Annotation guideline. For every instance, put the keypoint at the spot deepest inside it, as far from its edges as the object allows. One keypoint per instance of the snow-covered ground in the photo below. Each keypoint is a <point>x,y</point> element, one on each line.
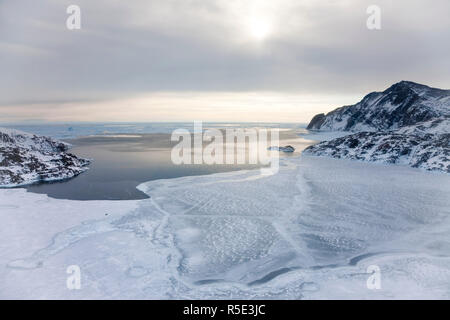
<point>323,135</point>
<point>308,232</point>
<point>422,145</point>
<point>27,158</point>
<point>429,152</point>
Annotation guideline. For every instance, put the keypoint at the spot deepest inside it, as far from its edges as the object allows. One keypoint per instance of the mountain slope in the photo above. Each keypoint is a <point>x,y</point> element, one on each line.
<point>426,151</point>
<point>26,158</point>
<point>404,103</point>
<point>408,124</point>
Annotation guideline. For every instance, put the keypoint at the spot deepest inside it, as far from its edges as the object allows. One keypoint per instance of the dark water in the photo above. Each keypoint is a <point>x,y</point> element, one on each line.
<point>120,164</point>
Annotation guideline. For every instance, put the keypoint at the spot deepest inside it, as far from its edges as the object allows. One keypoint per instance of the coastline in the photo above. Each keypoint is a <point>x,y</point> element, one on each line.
<point>123,161</point>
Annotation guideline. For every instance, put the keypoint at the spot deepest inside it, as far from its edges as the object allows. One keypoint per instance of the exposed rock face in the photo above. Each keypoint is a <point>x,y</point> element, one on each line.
<point>408,123</point>
<point>26,158</point>
<point>404,103</point>
<point>316,121</point>
<point>288,148</point>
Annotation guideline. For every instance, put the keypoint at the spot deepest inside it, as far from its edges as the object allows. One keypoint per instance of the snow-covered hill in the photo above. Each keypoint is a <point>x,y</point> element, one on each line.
<point>404,103</point>
<point>409,124</point>
<point>26,158</point>
<point>437,126</point>
<point>430,152</point>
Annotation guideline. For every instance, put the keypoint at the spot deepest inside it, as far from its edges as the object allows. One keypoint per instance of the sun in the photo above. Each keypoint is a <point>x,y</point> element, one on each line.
<point>259,28</point>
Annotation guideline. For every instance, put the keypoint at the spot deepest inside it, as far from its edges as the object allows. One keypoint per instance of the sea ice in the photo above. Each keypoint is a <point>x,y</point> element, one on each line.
<point>307,232</point>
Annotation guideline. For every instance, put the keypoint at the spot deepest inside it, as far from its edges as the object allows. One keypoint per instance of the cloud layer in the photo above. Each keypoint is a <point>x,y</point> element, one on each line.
<point>130,49</point>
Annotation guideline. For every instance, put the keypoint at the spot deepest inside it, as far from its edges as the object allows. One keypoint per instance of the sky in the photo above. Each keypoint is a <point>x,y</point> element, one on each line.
<point>212,60</point>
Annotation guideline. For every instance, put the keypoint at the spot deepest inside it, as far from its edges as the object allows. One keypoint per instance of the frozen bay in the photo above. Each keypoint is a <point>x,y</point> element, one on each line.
<point>308,232</point>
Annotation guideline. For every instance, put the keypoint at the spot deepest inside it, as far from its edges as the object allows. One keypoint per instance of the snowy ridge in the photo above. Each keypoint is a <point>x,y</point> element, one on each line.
<point>430,152</point>
<point>436,126</point>
<point>27,158</point>
<point>404,103</point>
<point>407,124</point>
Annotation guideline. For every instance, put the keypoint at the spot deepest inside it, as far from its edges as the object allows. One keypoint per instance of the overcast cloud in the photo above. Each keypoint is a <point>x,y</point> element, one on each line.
<point>311,50</point>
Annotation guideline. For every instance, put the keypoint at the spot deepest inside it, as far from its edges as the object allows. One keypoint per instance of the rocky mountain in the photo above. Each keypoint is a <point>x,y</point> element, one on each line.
<point>404,103</point>
<point>26,158</point>
<point>426,151</point>
<point>408,124</point>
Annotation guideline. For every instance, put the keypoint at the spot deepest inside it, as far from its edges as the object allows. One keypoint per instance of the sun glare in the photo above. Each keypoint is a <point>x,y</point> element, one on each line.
<point>260,29</point>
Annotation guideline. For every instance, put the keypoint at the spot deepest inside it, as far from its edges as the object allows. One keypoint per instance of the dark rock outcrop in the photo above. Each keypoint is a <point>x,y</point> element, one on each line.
<point>316,121</point>
<point>287,148</point>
